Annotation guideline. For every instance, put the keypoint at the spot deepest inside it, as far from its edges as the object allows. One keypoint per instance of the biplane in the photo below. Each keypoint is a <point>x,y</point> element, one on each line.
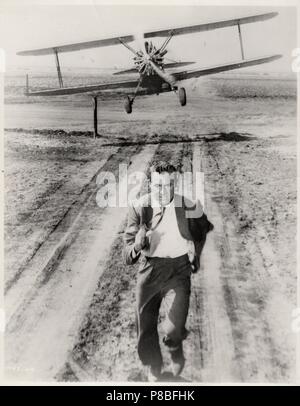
<point>152,74</point>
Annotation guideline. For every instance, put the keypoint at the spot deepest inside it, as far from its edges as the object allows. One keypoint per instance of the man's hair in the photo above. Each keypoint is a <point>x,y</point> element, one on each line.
<point>163,166</point>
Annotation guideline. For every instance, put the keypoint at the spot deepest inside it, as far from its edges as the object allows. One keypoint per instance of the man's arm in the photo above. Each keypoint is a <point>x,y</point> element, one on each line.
<point>203,226</point>
<point>130,256</point>
<point>199,227</point>
<point>198,222</point>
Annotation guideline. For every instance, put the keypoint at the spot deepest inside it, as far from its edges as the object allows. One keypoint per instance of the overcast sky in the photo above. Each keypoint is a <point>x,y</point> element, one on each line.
<point>32,27</point>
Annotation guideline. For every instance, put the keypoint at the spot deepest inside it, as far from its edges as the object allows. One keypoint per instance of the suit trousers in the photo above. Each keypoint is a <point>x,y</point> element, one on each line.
<point>162,281</point>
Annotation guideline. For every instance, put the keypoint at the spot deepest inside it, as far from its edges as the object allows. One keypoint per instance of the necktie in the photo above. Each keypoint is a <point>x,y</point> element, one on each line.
<point>158,217</point>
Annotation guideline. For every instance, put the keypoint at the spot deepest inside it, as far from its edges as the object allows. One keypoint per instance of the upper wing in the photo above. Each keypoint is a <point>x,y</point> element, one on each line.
<point>162,33</point>
<point>84,89</point>
<point>209,26</point>
<point>78,46</point>
<point>222,68</point>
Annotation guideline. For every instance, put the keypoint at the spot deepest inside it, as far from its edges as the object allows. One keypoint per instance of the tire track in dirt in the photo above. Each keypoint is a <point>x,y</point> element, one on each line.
<point>43,325</point>
<point>106,348</point>
<point>209,348</point>
<point>43,237</point>
<point>246,261</point>
<point>43,260</point>
<point>40,197</point>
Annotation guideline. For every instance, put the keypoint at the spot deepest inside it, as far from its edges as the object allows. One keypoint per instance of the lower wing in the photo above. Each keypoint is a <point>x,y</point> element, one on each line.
<point>222,68</point>
<point>84,89</point>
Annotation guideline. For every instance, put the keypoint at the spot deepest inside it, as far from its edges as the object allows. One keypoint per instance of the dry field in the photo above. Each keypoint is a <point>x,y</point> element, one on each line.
<point>70,298</point>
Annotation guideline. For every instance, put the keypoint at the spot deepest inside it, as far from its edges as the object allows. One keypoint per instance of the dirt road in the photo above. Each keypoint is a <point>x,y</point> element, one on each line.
<point>61,327</point>
<point>70,298</point>
<point>46,302</point>
<point>235,330</point>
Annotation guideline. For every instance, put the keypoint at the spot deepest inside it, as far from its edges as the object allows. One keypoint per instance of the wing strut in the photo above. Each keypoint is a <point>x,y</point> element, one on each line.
<point>128,47</point>
<point>166,42</point>
<point>60,80</point>
<point>241,41</point>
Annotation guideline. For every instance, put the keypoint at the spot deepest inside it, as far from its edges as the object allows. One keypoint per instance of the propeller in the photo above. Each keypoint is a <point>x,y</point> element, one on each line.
<point>142,60</point>
<point>147,47</point>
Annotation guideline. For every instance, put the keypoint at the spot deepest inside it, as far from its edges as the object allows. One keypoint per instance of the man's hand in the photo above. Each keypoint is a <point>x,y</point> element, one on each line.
<point>141,240</point>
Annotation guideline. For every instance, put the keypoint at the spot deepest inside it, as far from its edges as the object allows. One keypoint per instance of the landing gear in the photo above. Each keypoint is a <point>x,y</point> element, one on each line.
<point>129,100</point>
<point>128,105</point>
<point>182,96</point>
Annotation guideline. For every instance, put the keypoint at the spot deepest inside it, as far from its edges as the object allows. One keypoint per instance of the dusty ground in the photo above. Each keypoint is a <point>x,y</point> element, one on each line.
<point>64,273</point>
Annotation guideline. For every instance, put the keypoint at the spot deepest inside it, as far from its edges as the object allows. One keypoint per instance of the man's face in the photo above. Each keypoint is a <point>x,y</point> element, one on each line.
<point>162,187</point>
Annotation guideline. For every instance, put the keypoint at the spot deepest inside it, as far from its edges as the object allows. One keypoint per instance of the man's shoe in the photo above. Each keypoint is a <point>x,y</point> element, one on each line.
<point>153,374</point>
<point>178,360</point>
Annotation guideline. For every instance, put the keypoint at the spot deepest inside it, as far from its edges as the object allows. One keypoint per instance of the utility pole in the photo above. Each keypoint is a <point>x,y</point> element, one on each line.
<point>95,103</point>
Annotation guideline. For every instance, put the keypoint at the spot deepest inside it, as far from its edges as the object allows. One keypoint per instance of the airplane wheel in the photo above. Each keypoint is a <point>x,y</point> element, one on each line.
<point>182,96</point>
<point>128,105</point>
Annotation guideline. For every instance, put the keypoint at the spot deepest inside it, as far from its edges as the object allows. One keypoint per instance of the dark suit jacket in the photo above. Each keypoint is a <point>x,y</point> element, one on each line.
<point>192,223</point>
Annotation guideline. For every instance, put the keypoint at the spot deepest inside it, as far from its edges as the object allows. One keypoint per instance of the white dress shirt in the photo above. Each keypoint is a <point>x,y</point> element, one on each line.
<point>165,240</point>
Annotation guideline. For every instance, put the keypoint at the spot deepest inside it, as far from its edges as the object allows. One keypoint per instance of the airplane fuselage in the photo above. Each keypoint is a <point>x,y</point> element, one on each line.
<point>154,83</point>
<point>150,66</point>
